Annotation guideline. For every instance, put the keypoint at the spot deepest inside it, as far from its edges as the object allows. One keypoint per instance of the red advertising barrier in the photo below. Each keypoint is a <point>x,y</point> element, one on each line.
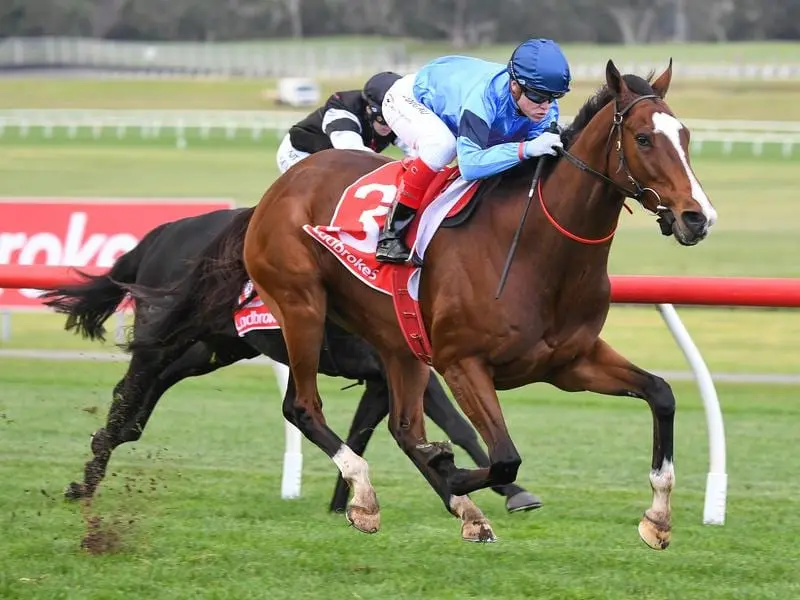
<point>709,291</point>
<point>41,237</point>
<point>625,289</point>
<point>37,277</point>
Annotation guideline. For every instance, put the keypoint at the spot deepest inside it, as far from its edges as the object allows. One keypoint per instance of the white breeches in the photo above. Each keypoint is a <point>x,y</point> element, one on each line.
<point>417,126</point>
<point>288,155</point>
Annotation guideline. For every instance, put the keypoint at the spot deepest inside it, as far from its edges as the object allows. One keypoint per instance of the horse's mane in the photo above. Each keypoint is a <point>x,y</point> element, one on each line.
<point>638,85</point>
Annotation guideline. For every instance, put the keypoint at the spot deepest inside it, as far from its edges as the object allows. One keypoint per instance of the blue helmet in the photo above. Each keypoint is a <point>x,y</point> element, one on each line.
<point>539,64</point>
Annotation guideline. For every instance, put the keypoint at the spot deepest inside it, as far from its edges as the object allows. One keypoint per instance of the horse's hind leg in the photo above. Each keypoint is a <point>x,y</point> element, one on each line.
<point>442,412</point>
<point>408,379</point>
<point>372,408</point>
<point>200,359</point>
<point>128,397</point>
<point>134,398</point>
<point>302,318</point>
<point>605,372</point>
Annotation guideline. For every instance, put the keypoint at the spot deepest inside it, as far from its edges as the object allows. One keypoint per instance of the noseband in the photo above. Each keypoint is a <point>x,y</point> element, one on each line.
<point>638,192</point>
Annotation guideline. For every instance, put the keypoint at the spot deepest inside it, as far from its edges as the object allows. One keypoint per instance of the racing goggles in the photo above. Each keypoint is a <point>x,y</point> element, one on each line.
<point>541,96</point>
<point>375,114</point>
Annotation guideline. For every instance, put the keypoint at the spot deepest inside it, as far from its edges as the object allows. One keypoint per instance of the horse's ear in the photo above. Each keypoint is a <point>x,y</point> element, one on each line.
<point>661,85</point>
<point>614,80</point>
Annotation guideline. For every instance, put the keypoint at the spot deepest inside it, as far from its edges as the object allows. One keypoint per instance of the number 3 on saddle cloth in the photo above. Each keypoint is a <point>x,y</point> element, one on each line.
<point>352,237</point>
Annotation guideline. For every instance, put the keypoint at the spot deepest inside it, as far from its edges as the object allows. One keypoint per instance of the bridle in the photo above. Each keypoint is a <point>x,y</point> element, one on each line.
<point>637,193</point>
<point>662,212</point>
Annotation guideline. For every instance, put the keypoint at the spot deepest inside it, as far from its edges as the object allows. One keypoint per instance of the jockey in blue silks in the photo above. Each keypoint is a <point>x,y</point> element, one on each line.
<point>491,116</point>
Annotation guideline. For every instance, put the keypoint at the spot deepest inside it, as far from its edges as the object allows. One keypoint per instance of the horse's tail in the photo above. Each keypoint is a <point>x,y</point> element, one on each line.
<point>89,304</point>
<point>200,303</point>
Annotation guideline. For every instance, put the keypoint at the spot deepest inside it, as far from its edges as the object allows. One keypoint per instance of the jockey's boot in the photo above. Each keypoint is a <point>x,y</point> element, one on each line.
<point>413,185</point>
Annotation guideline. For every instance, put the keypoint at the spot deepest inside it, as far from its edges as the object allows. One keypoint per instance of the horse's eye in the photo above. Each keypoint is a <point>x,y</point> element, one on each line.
<point>643,139</point>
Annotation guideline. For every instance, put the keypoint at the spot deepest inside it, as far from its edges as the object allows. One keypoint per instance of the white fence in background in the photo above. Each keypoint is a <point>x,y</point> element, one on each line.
<point>309,58</point>
<point>147,123</point>
<point>720,71</point>
<point>251,59</point>
<point>178,124</point>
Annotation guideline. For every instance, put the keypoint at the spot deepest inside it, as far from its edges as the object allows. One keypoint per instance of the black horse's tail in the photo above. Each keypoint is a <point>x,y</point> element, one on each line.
<point>89,304</point>
<point>200,303</point>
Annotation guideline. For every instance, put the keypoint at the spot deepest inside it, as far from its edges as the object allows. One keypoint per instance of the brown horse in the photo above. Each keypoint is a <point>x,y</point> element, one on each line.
<point>624,142</point>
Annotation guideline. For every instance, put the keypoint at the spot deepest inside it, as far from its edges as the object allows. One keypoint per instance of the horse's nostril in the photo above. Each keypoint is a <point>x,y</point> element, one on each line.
<point>695,221</point>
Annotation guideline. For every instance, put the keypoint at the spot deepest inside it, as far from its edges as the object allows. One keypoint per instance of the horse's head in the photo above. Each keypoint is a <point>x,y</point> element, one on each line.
<point>650,147</point>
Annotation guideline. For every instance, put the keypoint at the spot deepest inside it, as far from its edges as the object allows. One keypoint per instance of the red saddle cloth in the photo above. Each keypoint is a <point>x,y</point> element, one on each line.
<point>352,237</point>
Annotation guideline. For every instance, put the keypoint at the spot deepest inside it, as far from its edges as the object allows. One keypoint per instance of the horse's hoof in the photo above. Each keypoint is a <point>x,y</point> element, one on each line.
<point>478,531</point>
<point>74,491</point>
<point>523,501</point>
<point>655,533</point>
<point>362,519</point>
<point>338,505</point>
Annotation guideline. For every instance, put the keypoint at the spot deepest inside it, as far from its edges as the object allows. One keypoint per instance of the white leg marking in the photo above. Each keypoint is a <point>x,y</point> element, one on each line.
<point>353,467</point>
<point>670,127</point>
<point>355,471</point>
<point>475,526</point>
<point>662,480</point>
<point>460,505</point>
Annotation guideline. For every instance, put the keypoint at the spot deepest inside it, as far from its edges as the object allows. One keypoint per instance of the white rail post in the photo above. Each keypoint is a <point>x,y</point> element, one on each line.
<point>119,330</point>
<point>717,479</point>
<point>5,325</point>
<point>291,480</point>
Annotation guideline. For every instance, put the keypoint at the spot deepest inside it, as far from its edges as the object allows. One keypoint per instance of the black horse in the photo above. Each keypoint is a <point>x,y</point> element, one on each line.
<point>162,261</point>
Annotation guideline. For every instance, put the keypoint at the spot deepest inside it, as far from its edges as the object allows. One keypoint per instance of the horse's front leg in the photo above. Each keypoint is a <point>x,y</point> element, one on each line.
<point>604,371</point>
<point>472,384</point>
<point>408,379</point>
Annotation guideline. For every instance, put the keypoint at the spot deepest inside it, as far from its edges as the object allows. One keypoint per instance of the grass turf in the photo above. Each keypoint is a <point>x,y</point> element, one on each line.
<point>197,509</point>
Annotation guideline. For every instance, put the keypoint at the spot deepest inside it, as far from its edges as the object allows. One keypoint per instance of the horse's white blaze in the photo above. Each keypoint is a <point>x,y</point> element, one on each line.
<point>662,480</point>
<point>670,127</point>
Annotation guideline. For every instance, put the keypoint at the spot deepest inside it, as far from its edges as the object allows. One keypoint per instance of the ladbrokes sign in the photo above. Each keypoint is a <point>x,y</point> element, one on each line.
<point>80,233</point>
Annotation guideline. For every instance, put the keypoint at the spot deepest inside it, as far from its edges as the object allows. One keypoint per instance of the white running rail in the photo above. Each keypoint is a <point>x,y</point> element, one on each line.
<point>724,135</point>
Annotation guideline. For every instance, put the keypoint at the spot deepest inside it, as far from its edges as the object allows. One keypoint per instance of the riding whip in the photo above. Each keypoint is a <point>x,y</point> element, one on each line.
<point>536,174</point>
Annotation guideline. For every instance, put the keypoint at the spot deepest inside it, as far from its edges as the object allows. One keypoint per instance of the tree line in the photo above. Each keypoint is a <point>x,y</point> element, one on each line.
<point>462,23</point>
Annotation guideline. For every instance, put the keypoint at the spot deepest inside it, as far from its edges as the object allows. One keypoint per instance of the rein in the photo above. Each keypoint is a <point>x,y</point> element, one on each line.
<point>536,185</point>
<point>636,194</point>
<point>536,180</point>
<point>564,231</point>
